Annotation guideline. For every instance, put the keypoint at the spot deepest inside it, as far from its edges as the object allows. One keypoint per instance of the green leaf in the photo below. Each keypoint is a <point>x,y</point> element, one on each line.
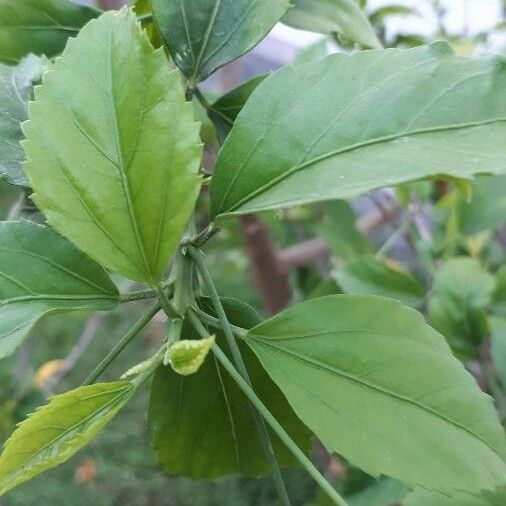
<point>141,9</point>
<point>315,52</point>
<point>372,276</point>
<point>16,85</point>
<point>378,16</point>
<point>225,110</point>
<point>204,35</point>
<point>140,6</point>
<point>43,273</point>
<point>462,289</point>
<point>486,208</point>
<point>301,138</point>
<point>340,231</point>
<point>113,151</point>
<point>333,16</point>
<point>187,356</point>
<point>498,348</point>
<point>325,287</point>
<point>39,26</point>
<point>203,425</point>
<point>499,295</point>
<point>492,498</point>
<point>56,431</point>
<point>386,492</point>
<point>375,383</point>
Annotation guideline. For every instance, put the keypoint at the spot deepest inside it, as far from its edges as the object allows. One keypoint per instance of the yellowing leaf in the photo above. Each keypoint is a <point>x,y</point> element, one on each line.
<point>55,432</point>
<point>187,356</point>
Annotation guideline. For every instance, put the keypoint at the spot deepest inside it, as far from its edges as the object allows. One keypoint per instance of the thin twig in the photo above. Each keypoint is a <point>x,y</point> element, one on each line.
<point>17,207</point>
<point>85,339</point>
<point>214,322</point>
<point>306,252</point>
<point>122,344</point>
<point>196,256</point>
<point>269,418</point>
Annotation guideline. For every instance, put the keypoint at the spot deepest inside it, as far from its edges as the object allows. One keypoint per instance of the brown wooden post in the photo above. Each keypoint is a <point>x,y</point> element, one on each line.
<point>272,284</point>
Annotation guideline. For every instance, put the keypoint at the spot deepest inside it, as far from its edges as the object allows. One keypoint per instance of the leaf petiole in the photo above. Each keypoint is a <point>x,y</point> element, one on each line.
<point>121,345</point>
<point>182,299</point>
<point>210,107</point>
<point>196,256</point>
<point>200,239</point>
<point>214,322</point>
<point>139,295</point>
<point>269,418</point>
<point>165,303</point>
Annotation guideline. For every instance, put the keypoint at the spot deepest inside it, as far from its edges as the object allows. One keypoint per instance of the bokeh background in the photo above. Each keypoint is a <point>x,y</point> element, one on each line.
<point>120,467</point>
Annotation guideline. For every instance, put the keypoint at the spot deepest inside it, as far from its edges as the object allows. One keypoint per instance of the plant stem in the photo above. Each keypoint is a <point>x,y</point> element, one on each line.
<point>269,418</point>
<point>17,207</point>
<point>278,429</point>
<point>200,239</point>
<point>196,255</point>
<point>145,294</point>
<point>151,365</point>
<point>122,344</point>
<point>214,322</point>
<point>182,299</point>
<point>139,295</point>
<point>80,347</point>
<point>209,107</point>
<point>167,307</point>
<point>203,100</point>
<point>491,377</point>
<point>265,439</point>
<point>390,242</point>
<point>189,93</point>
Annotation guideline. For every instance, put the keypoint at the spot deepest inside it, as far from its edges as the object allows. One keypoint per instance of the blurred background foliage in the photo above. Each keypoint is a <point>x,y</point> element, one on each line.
<point>439,247</point>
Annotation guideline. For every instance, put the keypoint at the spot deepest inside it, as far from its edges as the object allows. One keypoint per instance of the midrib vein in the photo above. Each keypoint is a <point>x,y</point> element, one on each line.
<point>300,98</point>
<point>49,297</point>
<point>110,404</point>
<point>364,384</point>
<point>222,115</point>
<point>187,30</point>
<point>207,37</point>
<point>353,147</point>
<point>46,28</point>
<point>122,169</point>
<point>230,35</point>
